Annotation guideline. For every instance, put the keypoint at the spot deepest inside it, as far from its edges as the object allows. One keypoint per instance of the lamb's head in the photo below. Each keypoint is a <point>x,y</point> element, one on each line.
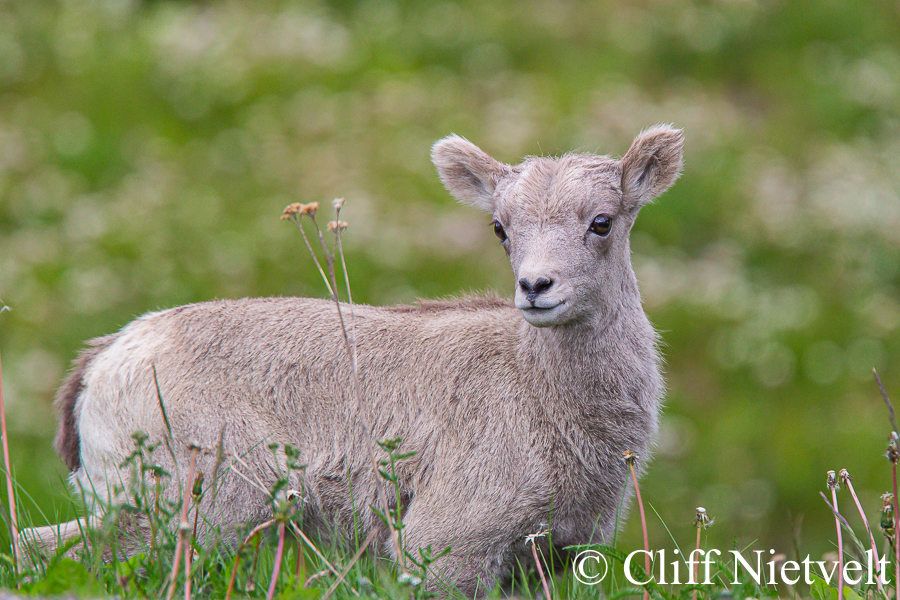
<point>565,222</point>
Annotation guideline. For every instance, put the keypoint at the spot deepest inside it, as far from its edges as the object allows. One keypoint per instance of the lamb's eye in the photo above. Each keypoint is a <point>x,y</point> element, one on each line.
<point>601,225</point>
<point>499,231</point>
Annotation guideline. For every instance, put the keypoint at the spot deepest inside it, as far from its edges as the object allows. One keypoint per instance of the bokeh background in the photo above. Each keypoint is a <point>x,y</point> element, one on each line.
<point>148,148</point>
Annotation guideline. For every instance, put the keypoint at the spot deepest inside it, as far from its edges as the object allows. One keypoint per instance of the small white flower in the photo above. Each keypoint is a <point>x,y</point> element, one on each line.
<point>532,538</point>
<point>409,578</point>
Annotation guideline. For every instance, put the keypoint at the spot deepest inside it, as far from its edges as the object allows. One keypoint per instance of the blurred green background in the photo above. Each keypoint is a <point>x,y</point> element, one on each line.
<point>148,148</point>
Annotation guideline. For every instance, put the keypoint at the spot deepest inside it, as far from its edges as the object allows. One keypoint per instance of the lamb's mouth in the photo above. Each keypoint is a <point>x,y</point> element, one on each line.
<point>543,316</point>
<point>542,309</point>
<point>530,306</point>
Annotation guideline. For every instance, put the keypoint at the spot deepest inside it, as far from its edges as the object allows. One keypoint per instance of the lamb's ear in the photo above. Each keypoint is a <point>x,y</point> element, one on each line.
<point>652,164</point>
<point>467,172</point>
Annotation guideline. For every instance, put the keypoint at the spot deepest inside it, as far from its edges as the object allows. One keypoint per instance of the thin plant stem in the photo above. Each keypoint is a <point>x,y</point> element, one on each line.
<point>309,543</point>
<point>318,575</point>
<point>356,557</point>
<point>279,556</point>
<point>896,536</point>
<point>196,490</point>
<point>183,526</point>
<point>253,568</point>
<point>313,547</point>
<point>10,494</point>
<point>890,406</point>
<point>176,565</point>
<point>196,518</point>
<point>630,457</point>
<point>697,563</point>
<point>162,411</point>
<point>315,258</point>
<point>701,522</point>
<point>258,529</point>
<point>833,485</point>
<point>220,458</point>
<point>154,520</point>
<point>237,560</point>
<point>340,251</point>
<point>338,236</point>
<point>540,570</point>
<point>845,477</point>
<point>301,563</point>
<point>259,486</point>
<point>188,555</point>
<point>893,455</point>
<point>357,388</point>
<point>329,256</point>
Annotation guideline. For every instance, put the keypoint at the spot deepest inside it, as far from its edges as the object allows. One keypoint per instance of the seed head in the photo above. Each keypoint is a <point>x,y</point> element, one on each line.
<point>832,481</point>
<point>334,226</point>
<point>887,515</point>
<point>198,485</point>
<point>290,210</point>
<point>844,476</point>
<point>629,457</point>
<point>702,518</point>
<point>298,208</point>
<point>285,500</point>
<point>337,203</point>
<point>531,538</point>
<point>893,451</point>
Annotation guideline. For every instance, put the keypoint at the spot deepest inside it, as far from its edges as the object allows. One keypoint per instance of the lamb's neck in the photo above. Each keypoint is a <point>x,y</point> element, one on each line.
<point>575,352</point>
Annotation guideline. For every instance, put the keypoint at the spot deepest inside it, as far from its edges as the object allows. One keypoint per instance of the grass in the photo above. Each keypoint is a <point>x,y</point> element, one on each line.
<point>276,559</point>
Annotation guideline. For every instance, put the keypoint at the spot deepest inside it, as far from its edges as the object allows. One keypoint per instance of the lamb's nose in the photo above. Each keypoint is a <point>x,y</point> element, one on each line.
<point>533,290</point>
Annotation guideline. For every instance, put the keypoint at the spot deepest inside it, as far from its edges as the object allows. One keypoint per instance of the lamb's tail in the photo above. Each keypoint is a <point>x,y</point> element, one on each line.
<point>68,439</point>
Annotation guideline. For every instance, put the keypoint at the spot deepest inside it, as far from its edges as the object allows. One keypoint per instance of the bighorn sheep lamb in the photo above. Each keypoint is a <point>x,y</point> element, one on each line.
<point>513,412</point>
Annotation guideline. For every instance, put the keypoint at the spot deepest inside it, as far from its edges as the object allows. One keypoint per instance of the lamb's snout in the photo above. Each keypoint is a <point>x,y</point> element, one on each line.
<point>533,290</point>
<point>541,296</point>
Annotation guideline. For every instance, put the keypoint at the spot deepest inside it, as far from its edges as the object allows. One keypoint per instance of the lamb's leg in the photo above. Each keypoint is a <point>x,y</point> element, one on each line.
<point>132,535</point>
<point>44,541</point>
<point>479,550</point>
